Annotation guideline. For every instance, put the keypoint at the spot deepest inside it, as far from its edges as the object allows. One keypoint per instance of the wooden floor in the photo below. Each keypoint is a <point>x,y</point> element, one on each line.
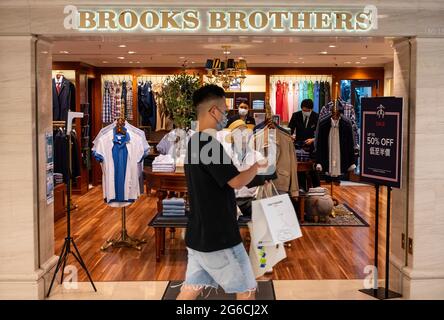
<point>322,252</point>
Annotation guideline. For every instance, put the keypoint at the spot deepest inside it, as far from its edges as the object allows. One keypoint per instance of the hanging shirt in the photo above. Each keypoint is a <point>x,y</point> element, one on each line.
<point>316,97</point>
<point>120,156</point>
<point>290,99</point>
<point>310,90</point>
<point>273,97</point>
<point>279,98</point>
<point>296,105</point>
<point>334,169</point>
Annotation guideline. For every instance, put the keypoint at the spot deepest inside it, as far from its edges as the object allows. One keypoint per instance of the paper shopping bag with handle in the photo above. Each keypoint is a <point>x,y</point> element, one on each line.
<point>263,258</point>
<point>273,217</point>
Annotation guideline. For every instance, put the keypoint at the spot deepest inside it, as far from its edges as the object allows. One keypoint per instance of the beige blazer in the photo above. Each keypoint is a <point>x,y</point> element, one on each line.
<point>286,165</point>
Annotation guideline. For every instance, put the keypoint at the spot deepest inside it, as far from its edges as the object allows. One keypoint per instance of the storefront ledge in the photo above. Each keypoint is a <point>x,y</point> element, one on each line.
<point>417,274</point>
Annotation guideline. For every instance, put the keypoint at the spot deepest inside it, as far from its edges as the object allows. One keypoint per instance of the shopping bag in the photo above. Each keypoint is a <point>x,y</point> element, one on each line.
<point>273,218</point>
<point>262,257</point>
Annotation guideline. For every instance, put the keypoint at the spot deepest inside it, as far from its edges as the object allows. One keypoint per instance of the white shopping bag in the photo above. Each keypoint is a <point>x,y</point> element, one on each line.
<point>274,219</point>
<point>263,258</point>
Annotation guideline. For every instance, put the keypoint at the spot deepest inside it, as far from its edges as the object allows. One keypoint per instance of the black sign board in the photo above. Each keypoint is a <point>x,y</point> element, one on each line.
<point>381,140</point>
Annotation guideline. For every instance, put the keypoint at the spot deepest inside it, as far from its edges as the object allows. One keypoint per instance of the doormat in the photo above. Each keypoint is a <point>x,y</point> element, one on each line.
<point>265,291</point>
<point>344,217</point>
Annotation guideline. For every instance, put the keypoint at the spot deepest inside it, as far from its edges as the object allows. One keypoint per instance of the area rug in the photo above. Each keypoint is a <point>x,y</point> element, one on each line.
<point>344,217</point>
<point>265,291</point>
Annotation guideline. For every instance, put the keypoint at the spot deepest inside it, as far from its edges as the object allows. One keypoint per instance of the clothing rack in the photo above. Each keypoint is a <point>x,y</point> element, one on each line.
<point>117,77</point>
<point>154,78</point>
<point>298,77</point>
<point>62,125</point>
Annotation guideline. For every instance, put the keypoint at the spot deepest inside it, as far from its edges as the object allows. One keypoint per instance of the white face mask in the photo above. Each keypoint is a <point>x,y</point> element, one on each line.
<point>243,112</point>
<point>306,114</point>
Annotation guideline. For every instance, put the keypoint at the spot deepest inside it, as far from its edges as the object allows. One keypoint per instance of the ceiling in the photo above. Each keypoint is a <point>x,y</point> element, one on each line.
<point>259,51</point>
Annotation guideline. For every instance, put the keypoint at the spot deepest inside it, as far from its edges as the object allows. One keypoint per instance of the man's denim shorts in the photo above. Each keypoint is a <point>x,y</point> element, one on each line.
<point>230,268</point>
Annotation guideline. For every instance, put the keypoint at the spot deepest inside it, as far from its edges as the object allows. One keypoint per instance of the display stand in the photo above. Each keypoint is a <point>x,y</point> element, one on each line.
<point>124,240</point>
<point>382,293</point>
<point>66,250</point>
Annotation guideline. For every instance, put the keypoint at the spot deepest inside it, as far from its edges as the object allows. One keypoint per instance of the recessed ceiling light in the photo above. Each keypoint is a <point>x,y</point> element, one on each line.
<point>44,52</point>
<point>131,52</point>
<point>323,52</point>
<point>357,62</point>
<point>181,57</point>
<point>64,52</point>
<point>295,62</point>
<point>332,46</point>
<point>121,58</point>
<point>257,41</point>
<point>240,58</point>
<point>347,62</point>
<point>104,61</point>
<point>300,58</point>
<point>138,62</point>
<point>363,58</point>
<point>122,46</point>
<point>193,62</point>
<point>130,62</point>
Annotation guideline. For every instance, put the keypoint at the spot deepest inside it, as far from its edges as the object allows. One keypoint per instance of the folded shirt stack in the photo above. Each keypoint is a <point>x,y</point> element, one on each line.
<point>173,207</point>
<point>58,178</point>
<point>164,163</point>
<point>258,104</point>
<point>317,191</point>
<point>302,155</point>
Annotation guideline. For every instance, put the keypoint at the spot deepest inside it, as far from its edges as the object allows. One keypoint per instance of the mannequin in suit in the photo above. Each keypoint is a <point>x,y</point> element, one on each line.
<point>63,97</point>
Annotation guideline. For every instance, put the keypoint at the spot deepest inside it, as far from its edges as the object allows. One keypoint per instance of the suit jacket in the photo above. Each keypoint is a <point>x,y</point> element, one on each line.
<point>286,165</point>
<point>64,101</point>
<point>346,144</point>
<point>297,124</point>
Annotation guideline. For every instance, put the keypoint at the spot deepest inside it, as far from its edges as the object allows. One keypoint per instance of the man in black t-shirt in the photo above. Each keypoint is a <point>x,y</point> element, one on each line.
<point>216,255</point>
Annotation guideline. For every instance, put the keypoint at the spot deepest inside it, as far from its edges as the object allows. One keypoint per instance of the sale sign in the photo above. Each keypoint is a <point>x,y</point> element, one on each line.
<point>381,140</point>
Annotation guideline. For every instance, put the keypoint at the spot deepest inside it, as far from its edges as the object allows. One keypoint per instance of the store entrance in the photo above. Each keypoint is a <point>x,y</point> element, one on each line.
<point>338,247</point>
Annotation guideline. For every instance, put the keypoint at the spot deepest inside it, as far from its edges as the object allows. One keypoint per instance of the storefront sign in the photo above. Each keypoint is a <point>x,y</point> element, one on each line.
<point>220,20</point>
<point>381,140</point>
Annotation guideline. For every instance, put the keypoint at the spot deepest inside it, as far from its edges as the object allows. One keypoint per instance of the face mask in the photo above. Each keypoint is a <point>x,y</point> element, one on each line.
<point>306,114</point>
<point>223,122</point>
<point>243,112</point>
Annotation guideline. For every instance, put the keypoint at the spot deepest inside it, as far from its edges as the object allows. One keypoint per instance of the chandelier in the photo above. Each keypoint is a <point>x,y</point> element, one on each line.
<point>226,72</point>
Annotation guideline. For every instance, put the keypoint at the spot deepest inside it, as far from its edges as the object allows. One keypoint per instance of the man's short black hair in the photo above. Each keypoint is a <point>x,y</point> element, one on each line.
<point>307,103</point>
<point>207,92</point>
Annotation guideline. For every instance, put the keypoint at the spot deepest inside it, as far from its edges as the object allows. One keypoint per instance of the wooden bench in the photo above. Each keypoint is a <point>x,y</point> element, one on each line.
<point>160,223</point>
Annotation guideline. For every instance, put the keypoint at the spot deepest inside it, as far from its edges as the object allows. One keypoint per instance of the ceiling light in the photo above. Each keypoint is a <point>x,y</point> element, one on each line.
<point>363,58</point>
<point>130,62</point>
<point>332,46</point>
<point>193,62</point>
<point>44,52</point>
<point>181,57</point>
<point>121,58</point>
<point>104,61</point>
<point>347,62</point>
<point>131,52</point>
<point>227,52</point>
<point>138,62</point>
<point>257,41</point>
<point>64,52</point>
<point>241,58</point>
<point>323,52</point>
<point>357,62</point>
<point>122,46</point>
<point>300,58</point>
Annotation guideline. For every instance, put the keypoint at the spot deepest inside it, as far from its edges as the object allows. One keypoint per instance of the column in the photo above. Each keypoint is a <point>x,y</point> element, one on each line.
<point>26,221</point>
<point>424,274</point>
